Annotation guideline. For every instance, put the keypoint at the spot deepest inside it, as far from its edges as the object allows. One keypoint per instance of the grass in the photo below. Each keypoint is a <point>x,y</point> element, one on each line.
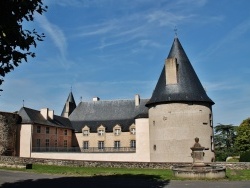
<point>161,174</point>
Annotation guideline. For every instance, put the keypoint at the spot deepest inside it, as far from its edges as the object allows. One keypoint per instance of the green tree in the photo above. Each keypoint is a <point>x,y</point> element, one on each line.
<point>225,135</point>
<point>15,41</point>
<point>224,140</point>
<point>242,142</point>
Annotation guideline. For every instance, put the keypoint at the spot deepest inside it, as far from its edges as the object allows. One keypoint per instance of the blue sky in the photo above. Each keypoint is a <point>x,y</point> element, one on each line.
<point>115,49</point>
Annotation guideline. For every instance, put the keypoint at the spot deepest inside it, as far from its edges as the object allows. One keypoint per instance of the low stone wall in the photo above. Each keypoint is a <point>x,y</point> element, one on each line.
<point>9,160</point>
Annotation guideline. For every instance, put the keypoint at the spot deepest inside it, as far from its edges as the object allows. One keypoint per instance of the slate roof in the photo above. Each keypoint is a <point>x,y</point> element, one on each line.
<point>108,114</point>
<point>188,88</point>
<point>72,104</point>
<point>30,116</point>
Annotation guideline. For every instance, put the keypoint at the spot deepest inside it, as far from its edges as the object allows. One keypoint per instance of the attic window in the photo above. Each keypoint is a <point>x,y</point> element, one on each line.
<point>132,131</point>
<point>117,132</point>
<point>101,132</point>
<point>85,132</point>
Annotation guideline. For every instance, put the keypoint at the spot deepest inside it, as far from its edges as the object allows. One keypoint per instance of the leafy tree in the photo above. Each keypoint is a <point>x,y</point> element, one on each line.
<point>226,135</point>
<point>224,140</point>
<point>15,41</point>
<point>242,141</point>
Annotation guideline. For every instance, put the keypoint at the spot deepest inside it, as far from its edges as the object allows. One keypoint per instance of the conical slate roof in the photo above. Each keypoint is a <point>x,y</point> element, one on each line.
<point>187,89</point>
<point>71,102</point>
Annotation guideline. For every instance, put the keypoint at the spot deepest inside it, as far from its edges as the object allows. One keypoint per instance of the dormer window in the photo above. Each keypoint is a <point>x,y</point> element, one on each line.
<point>117,130</point>
<point>132,129</point>
<point>101,130</point>
<point>85,131</point>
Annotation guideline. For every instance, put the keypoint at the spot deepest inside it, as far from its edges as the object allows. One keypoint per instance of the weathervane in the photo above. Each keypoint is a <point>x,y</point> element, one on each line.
<point>23,103</point>
<point>175,31</point>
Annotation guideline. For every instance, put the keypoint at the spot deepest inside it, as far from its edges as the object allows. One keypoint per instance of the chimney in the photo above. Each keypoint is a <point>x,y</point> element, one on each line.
<point>137,100</point>
<point>96,98</point>
<point>44,112</point>
<point>51,114</point>
<point>171,70</point>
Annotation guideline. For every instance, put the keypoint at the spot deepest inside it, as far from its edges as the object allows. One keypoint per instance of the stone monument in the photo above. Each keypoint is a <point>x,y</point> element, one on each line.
<point>198,169</point>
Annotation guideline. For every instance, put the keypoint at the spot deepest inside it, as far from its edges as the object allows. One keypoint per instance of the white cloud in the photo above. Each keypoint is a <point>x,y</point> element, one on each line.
<point>55,33</point>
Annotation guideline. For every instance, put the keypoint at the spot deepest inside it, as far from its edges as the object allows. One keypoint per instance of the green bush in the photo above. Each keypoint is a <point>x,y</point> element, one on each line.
<point>245,157</point>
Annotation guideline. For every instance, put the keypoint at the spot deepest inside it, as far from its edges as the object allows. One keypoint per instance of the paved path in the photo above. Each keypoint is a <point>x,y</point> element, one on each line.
<point>9,179</point>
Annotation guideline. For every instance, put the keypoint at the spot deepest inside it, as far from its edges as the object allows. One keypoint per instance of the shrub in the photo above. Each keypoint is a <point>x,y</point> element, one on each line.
<point>245,157</point>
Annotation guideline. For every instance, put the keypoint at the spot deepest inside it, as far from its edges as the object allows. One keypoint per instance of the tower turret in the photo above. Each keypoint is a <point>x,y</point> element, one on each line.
<point>69,106</point>
<point>179,110</point>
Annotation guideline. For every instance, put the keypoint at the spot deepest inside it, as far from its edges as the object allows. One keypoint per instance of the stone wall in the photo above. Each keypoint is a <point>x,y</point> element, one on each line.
<point>8,132</point>
<point>10,160</point>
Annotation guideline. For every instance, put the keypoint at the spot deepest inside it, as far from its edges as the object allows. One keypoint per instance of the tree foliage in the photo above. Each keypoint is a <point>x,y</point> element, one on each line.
<point>224,140</point>
<point>242,141</point>
<point>15,41</point>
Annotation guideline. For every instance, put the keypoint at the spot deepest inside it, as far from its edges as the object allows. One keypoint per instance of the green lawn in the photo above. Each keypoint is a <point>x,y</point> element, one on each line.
<point>160,174</point>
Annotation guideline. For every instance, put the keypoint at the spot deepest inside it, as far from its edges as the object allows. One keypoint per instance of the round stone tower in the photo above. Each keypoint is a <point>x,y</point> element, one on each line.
<point>179,111</point>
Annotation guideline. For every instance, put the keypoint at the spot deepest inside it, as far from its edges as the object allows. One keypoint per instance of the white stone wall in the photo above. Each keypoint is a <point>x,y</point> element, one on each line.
<point>173,127</point>
<point>25,140</point>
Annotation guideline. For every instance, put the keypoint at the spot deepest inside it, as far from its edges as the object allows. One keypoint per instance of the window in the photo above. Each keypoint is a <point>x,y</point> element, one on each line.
<point>132,143</point>
<point>47,130</point>
<point>117,144</point>
<point>55,143</point>
<point>117,132</point>
<point>65,132</point>
<point>100,144</point>
<point>47,142</point>
<point>38,129</point>
<point>101,132</point>
<point>56,130</point>
<point>85,144</point>
<point>85,133</point>
<point>65,143</point>
<point>212,143</point>
<point>132,130</point>
<point>38,142</point>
